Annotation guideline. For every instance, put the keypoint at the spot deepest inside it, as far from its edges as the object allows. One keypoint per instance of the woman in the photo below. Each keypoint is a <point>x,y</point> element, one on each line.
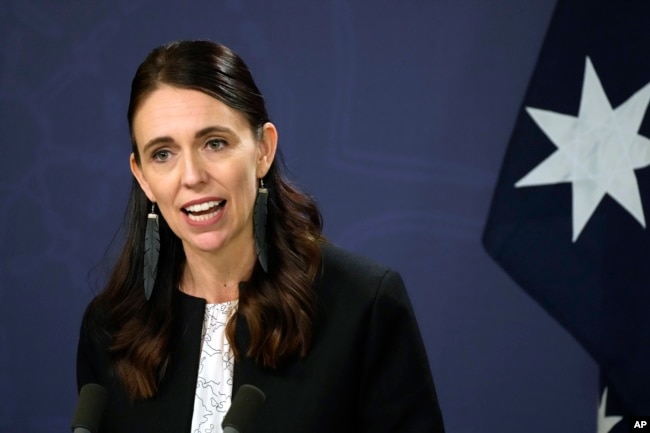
<point>225,279</point>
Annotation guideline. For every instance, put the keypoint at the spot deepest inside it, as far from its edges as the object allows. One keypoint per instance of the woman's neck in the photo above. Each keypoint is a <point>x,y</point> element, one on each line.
<point>216,277</point>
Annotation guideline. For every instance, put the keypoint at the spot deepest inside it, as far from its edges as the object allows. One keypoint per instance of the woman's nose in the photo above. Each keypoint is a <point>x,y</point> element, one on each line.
<point>193,170</point>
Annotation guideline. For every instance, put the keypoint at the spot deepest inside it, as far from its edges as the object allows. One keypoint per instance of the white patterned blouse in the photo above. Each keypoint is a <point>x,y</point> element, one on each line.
<point>214,382</point>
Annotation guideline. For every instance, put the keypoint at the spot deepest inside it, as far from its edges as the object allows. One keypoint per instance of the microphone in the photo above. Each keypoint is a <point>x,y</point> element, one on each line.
<point>90,408</point>
<point>244,407</point>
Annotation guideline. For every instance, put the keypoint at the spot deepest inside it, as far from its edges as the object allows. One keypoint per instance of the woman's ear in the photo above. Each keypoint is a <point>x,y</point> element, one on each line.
<point>137,173</point>
<point>268,144</point>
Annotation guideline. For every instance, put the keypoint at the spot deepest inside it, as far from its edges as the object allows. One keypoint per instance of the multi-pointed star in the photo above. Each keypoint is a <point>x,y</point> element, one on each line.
<point>606,423</point>
<point>597,151</point>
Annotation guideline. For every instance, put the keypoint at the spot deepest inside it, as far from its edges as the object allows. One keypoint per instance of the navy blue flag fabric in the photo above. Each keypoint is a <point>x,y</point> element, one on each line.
<point>569,217</point>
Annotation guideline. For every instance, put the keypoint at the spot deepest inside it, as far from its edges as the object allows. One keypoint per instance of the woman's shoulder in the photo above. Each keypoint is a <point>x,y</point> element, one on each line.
<point>340,260</point>
<point>95,322</point>
<point>356,273</point>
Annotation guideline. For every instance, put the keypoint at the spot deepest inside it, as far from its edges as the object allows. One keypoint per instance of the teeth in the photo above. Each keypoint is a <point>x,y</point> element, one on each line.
<point>203,206</point>
<point>201,217</point>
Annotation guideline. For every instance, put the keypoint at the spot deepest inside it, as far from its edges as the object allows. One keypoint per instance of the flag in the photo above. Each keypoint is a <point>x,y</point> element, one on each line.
<point>570,212</point>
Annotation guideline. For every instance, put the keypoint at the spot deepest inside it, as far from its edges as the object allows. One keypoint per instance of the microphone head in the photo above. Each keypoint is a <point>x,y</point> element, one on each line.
<point>244,407</point>
<point>90,407</point>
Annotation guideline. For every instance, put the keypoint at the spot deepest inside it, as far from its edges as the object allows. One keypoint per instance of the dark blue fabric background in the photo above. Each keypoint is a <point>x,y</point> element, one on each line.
<point>394,114</point>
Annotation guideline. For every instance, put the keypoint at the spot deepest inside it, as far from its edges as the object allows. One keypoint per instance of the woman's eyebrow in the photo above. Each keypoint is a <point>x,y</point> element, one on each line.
<point>158,140</point>
<point>210,129</point>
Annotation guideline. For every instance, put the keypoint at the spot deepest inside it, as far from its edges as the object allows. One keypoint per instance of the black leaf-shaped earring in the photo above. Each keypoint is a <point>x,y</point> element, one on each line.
<point>259,224</point>
<point>151,251</point>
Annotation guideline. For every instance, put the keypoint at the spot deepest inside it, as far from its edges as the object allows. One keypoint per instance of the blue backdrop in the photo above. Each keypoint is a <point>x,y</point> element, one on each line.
<point>394,114</point>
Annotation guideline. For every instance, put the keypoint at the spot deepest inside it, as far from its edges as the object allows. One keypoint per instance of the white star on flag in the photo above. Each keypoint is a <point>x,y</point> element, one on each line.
<point>606,423</point>
<point>597,151</point>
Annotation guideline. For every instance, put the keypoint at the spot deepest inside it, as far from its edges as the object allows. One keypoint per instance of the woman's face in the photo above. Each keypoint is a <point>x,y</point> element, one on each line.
<point>201,162</point>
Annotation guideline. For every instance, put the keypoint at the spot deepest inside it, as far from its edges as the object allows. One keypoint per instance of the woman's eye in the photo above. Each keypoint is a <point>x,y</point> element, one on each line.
<point>161,155</point>
<point>215,144</point>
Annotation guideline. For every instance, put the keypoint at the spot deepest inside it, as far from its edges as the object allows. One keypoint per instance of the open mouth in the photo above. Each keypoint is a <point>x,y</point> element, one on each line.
<point>204,211</point>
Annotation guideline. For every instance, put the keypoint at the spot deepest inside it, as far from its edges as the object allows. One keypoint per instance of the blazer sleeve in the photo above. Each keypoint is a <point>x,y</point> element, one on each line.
<point>398,393</point>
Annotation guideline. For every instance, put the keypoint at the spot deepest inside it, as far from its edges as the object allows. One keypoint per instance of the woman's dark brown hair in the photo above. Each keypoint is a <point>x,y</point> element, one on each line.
<point>278,306</point>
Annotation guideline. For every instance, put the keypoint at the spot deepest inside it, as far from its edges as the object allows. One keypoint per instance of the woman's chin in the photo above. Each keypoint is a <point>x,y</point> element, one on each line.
<point>207,243</point>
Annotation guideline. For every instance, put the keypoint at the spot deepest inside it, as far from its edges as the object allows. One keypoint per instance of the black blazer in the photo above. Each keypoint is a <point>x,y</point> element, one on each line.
<point>367,370</point>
